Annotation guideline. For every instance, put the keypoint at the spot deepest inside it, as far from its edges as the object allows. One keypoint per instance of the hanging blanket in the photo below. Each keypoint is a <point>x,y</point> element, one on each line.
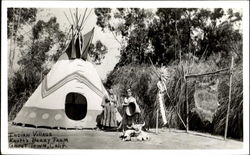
<point>206,100</point>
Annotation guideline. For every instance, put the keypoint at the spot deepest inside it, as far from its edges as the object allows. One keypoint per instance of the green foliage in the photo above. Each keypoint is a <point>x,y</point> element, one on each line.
<point>97,52</point>
<point>18,19</point>
<point>45,35</point>
<point>203,39</point>
<point>20,87</point>
<point>235,124</point>
<point>19,16</point>
<point>103,16</point>
<point>187,41</point>
<point>133,27</point>
<point>142,80</point>
<point>34,62</point>
<point>169,33</point>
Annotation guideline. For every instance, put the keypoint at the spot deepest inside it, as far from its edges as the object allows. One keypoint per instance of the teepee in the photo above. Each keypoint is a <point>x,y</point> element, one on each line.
<point>71,94</point>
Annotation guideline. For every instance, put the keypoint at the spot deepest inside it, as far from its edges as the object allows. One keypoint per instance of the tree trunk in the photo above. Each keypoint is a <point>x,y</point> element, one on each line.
<point>14,46</point>
<point>11,40</point>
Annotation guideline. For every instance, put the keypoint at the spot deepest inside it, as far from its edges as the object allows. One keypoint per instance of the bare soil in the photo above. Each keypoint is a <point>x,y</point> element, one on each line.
<point>96,139</point>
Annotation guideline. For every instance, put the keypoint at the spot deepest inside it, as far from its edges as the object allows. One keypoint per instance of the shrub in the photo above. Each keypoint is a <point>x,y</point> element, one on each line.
<point>142,80</point>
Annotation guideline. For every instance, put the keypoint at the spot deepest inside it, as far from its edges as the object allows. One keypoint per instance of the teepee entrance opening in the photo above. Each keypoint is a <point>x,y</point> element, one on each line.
<point>75,106</point>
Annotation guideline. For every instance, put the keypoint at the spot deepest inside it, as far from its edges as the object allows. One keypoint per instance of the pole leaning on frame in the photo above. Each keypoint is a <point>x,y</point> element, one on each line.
<point>229,98</point>
<point>187,108</point>
<point>157,118</point>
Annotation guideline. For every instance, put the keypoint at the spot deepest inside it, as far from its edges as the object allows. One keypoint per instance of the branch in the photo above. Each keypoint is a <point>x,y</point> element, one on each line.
<point>115,36</point>
<point>209,73</point>
<point>155,70</point>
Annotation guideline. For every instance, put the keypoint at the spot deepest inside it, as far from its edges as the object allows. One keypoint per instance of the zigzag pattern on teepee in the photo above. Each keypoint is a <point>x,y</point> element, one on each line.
<point>74,76</point>
<point>71,95</point>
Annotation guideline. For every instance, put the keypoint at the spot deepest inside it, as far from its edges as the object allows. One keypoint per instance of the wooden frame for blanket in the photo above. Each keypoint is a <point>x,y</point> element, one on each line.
<point>222,71</point>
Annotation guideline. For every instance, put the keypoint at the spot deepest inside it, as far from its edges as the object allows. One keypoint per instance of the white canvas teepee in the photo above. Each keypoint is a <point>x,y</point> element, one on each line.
<point>71,94</point>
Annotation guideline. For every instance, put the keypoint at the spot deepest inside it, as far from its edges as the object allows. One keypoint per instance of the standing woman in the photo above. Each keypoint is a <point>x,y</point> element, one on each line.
<point>109,119</point>
<point>130,113</point>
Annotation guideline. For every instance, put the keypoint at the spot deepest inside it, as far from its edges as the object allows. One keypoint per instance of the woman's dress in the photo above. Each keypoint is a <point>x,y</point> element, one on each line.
<point>109,113</point>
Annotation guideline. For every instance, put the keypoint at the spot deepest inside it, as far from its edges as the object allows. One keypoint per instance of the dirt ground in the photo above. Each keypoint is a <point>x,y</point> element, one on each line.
<point>94,139</point>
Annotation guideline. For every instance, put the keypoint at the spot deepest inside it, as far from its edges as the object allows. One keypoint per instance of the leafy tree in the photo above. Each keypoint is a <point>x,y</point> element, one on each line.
<point>132,26</point>
<point>97,52</point>
<point>103,17</point>
<point>197,31</point>
<point>16,19</point>
<point>198,39</point>
<point>45,35</point>
<point>170,34</point>
<point>34,61</point>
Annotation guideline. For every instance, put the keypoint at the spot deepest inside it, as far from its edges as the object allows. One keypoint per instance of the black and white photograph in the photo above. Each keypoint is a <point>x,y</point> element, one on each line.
<point>166,76</point>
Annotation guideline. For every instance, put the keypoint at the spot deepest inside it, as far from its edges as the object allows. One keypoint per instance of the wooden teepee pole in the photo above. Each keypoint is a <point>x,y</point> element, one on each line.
<point>83,18</point>
<point>74,23</point>
<point>229,98</point>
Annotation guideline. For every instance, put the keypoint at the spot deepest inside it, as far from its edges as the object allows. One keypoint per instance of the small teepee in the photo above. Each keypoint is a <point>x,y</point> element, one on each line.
<point>71,94</point>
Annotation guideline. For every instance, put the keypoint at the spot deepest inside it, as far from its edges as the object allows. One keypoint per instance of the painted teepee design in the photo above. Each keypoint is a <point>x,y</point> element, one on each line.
<point>71,94</point>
